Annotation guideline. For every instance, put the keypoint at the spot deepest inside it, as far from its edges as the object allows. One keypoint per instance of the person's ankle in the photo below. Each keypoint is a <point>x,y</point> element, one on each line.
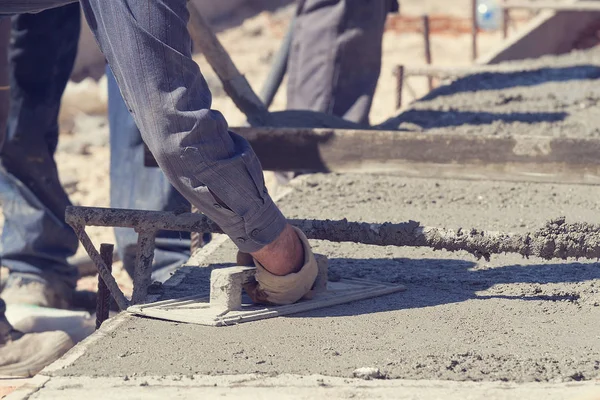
<point>283,256</point>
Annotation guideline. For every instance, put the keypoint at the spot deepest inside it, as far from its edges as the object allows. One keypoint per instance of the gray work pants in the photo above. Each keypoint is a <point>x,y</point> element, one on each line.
<point>335,57</point>
<point>148,48</point>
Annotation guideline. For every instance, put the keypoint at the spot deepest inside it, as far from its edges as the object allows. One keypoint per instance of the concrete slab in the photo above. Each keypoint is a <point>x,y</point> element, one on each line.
<point>254,386</point>
<point>509,319</point>
<point>478,323</point>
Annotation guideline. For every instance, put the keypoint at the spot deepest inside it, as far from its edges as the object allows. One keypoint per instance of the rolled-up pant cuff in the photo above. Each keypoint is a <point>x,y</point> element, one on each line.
<point>253,233</point>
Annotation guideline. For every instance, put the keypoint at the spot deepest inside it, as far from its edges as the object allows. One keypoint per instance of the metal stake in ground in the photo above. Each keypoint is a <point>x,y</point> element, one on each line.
<point>103,298</point>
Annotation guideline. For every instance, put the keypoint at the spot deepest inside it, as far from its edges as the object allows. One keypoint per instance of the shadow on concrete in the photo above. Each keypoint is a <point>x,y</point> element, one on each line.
<point>429,119</point>
<point>506,80</point>
<point>433,282</point>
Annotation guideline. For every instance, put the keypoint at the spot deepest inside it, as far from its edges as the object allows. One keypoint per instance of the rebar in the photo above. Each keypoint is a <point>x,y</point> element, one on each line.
<point>557,239</point>
<point>143,264</point>
<point>399,85</point>
<point>103,297</point>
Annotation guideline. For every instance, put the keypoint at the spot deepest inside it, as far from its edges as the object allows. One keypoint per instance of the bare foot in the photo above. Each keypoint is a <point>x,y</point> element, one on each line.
<point>284,255</point>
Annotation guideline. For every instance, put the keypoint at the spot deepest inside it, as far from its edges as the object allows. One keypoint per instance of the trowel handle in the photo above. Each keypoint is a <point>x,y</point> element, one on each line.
<point>234,83</point>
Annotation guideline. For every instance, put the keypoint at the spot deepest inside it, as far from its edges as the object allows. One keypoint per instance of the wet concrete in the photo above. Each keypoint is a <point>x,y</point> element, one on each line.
<point>511,319</point>
<point>556,96</point>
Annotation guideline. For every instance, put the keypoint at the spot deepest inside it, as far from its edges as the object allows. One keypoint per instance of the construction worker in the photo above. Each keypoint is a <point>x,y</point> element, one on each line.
<point>213,168</point>
<point>36,241</point>
<point>23,355</point>
<point>335,56</point>
<point>334,65</point>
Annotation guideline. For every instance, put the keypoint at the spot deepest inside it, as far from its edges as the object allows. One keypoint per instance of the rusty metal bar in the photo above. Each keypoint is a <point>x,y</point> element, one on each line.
<point>442,72</point>
<point>103,298</point>
<point>399,85</point>
<point>143,264</point>
<point>474,30</point>
<point>505,21</point>
<point>557,239</point>
<point>427,43</point>
<point>148,221</point>
<point>196,237</point>
<point>580,6</point>
<point>103,270</point>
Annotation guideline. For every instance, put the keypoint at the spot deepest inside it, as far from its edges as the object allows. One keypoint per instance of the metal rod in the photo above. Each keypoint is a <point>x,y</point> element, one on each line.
<point>234,83</point>
<point>143,265</point>
<point>474,29</point>
<point>196,237</point>
<point>278,67</point>
<point>103,270</point>
<point>451,72</point>
<point>427,43</point>
<point>399,85</point>
<point>103,298</point>
<point>555,240</point>
<point>580,6</point>
<point>505,21</point>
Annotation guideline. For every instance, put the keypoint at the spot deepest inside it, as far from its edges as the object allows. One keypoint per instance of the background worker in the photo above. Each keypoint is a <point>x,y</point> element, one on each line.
<point>21,355</point>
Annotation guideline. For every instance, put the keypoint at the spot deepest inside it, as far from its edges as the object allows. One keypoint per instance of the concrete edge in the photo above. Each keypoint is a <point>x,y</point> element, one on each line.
<point>312,386</point>
<point>80,348</point>
<point>25,391</point>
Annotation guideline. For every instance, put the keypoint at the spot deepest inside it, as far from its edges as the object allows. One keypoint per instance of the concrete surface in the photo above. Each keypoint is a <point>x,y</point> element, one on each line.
<point>555,96</point>
<point>508,328</point>
<point>296,387</point>
<point>510,319</point>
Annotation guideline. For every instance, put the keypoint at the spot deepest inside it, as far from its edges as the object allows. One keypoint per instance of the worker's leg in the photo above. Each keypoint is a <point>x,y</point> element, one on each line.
<point>35,239</point>
<point>132,185</point>
<point>148,48</point>
<point>335,58</point>
<point>11,7</point>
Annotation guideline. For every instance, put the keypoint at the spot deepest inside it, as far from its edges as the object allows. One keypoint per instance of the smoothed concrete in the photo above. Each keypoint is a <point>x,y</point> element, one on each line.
<point>508,319</point>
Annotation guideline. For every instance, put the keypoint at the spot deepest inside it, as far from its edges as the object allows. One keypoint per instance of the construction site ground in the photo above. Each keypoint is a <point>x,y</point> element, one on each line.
<point>509,328</point>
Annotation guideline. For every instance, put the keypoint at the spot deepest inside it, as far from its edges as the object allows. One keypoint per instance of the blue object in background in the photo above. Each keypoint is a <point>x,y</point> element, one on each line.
<point>489,15</point>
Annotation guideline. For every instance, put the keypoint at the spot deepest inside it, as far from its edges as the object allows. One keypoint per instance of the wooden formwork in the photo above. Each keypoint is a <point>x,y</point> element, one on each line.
<point>416,154</point>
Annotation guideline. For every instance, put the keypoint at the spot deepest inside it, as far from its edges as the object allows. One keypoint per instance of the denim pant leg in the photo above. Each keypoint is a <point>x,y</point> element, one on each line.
<point>132,185</point>
<point>12,7</point>
<point>335,57</point>
<point>35,238</point>
<point>148,48</point>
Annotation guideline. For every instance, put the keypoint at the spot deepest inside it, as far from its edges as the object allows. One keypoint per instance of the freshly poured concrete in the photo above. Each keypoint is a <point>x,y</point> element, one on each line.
<point>509,319</point>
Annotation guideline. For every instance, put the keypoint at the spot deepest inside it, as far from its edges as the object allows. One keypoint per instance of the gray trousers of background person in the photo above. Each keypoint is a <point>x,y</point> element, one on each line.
<point>335,56</point>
